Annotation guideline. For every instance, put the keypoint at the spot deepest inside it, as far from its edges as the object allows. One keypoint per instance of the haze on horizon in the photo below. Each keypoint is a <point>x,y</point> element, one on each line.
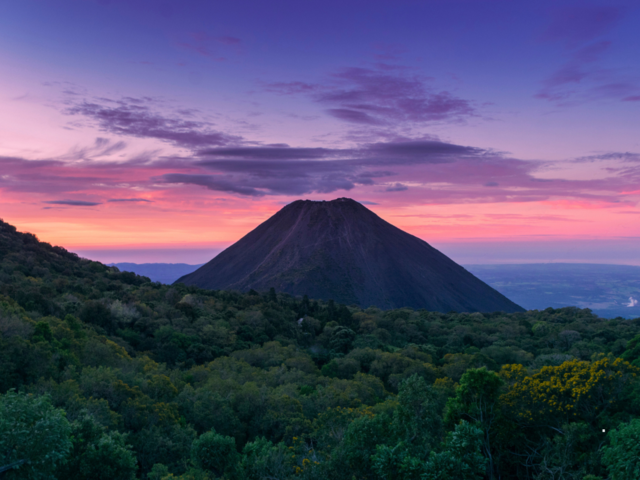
<point>163,132</point>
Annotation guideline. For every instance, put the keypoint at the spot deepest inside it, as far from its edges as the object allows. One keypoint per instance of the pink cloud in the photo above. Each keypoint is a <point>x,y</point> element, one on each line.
<point>220,176</point>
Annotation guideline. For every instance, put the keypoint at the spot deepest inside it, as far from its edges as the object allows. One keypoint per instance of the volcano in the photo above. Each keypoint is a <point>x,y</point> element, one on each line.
<point>343,251</point>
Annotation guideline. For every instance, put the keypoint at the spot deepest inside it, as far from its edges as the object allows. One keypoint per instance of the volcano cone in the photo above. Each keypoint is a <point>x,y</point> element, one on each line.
<point>343,251</point>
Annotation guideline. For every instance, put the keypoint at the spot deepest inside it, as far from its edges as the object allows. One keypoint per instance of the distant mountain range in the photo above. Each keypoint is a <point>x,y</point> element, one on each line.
<point>609,290</point>
<point>343,251</point>
<point>158,272</point>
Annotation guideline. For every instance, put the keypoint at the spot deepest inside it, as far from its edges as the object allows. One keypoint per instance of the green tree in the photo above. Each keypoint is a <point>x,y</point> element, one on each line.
<point>476,400</point>
<point>97,313</point>
<point>170,445</point>
<point>158,472</point>
<point>417,426</point>
<point>34,436</point>
<point>632,352</point>
<point>262,460</point>
<point>461,457</point>
<point>215,453</point>
<point>357,452</point>
<point>42,331</point>
<point>417,419</point>
<point>387,462</point>
<point>272,297</point>
<point>622,456</point>
<point>97,454</point>
<point>395,463</point>
<point>341,339</point>
<point>566,455</point>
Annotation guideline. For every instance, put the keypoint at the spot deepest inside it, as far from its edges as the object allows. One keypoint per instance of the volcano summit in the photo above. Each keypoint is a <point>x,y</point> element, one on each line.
<point>343,251</point>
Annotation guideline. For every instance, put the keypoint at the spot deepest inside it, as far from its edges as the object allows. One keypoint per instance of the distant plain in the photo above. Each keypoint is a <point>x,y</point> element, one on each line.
<point>610,291</point>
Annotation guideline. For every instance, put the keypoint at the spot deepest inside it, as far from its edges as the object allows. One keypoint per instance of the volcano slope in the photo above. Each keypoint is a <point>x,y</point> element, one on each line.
<point>343,251</point>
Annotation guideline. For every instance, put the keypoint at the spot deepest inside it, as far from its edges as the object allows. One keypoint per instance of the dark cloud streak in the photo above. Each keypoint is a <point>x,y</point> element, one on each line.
<point>116,200</point>
<point>279,152</point>
<point>281,170</point>
<point>396,187</point>
<point>428,170</point>
<point>384,95</point>
<point>73,203</point>
<point>132,117</point>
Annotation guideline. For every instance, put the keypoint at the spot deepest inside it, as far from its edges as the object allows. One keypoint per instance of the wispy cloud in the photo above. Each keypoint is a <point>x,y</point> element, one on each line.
<point>582,79</point>
<point>623,156</point>
<point>102,147</point>
<point>580,30</point>
<point>526,218</point>
<point>581,23</point>
<point>215,47</point>
<point>380,95</point>
<point>135,117</point>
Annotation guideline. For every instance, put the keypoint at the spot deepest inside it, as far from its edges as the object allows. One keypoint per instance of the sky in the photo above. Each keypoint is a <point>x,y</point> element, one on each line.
<point>164,131</point>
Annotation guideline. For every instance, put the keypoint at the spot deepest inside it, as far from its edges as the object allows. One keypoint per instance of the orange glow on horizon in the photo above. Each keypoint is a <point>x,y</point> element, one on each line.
<point>165,224</point>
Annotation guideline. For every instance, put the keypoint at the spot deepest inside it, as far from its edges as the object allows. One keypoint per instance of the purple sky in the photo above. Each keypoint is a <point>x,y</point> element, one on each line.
<point>173,128</point>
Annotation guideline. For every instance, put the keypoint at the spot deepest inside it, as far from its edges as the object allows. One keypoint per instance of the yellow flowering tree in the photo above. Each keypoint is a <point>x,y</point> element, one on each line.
<point>572,391</point>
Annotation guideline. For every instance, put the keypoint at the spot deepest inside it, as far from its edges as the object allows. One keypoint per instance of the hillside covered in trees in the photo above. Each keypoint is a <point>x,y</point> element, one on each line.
<point>107,375</point>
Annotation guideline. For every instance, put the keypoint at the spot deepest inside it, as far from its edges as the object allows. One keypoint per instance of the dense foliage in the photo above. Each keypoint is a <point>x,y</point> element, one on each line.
<point>133,378</point>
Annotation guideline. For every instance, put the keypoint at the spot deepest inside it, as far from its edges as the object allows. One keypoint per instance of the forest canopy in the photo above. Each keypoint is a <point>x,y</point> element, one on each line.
<point>105,374</point>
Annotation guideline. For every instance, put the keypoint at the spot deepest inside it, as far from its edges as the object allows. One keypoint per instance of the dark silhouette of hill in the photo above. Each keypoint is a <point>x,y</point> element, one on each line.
<point>38,276</point>
<point>341,250</point>
<point>13,242</point>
